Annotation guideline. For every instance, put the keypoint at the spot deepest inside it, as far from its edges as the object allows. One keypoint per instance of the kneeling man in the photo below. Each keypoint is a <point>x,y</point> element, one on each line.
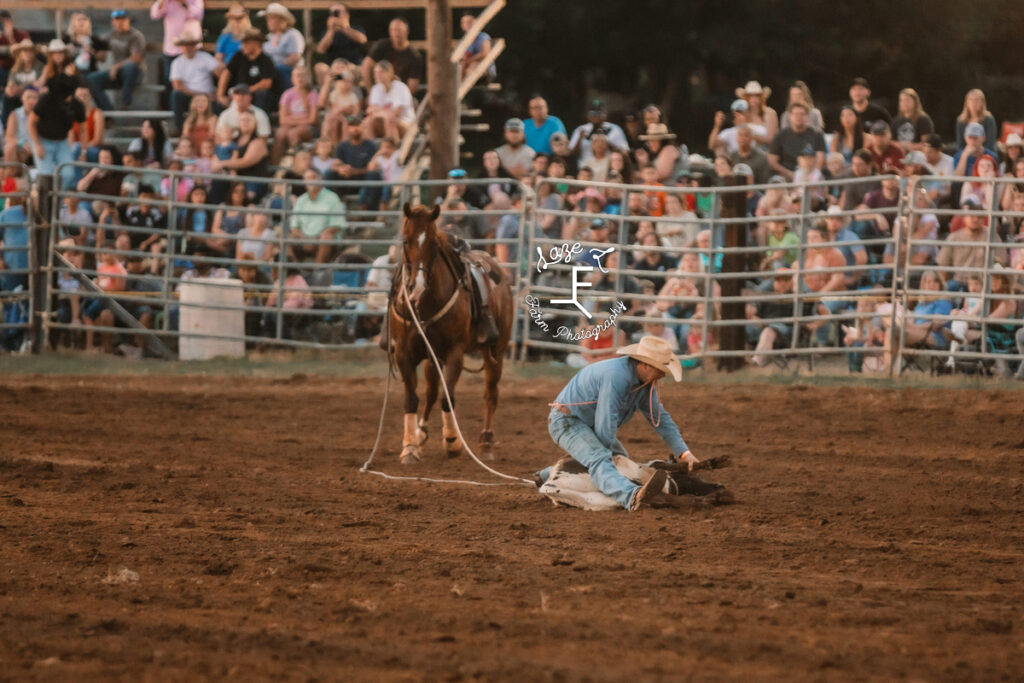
<point>602,397</point>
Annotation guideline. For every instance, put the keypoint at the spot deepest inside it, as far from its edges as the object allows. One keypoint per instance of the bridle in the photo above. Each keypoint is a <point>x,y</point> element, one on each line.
<point>406,279</point>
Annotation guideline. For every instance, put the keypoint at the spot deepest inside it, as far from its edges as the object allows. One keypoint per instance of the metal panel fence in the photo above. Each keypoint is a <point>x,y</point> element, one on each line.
<point>313,275</point>
<point>841,290</point>
<point>731,280</point>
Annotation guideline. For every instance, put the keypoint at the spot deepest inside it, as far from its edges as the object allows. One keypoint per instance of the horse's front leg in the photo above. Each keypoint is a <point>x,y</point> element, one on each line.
<point>452,370</point>
<point>412,436</point>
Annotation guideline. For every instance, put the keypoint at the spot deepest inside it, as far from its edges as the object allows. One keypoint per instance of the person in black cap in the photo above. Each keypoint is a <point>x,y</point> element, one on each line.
<point>579,143</point>
<point>867,112</point>
<point>249,66</point>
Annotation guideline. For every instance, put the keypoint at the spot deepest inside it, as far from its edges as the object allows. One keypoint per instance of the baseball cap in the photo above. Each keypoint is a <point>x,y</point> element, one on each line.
<point>240,89</point>
<point>1014,140</point>
<point>933,140</point>
<point>971,202</point>
<point>118,13</point>
<point>596,106</point>
<point>457,173</point>
<point>915,158</point>
<point>514,124</point>
<point>743,169</point>
<point>834,209</point>
<point>598,224</point>
<point>861,81</point>
<point>776,180</point>
<point>739,105</point>
<point>880,128</point>
<point>4,14</point>
<point>559,136</point>
<point>974,129</point>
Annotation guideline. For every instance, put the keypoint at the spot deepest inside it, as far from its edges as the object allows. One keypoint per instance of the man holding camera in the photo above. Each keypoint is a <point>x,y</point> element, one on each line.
<point>341,41</point>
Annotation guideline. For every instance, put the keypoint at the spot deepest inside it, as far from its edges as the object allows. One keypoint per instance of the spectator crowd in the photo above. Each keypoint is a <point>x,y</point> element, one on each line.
<point>248,104</point>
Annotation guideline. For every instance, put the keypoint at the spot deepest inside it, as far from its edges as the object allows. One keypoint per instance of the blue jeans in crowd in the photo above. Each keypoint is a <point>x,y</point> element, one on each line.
<point>56,152</point>
<point>127,78</point>
<point>579,441</point>
<point>370,197</point>
<point>179,105</point>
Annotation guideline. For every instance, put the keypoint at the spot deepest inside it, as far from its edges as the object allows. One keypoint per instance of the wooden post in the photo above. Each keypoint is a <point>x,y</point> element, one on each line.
<point>444,127</point>
<point>731,338</point>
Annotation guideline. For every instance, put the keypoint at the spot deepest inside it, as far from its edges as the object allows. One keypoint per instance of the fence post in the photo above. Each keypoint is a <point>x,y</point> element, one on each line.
<point>731,337</point>
<point>39,234</point>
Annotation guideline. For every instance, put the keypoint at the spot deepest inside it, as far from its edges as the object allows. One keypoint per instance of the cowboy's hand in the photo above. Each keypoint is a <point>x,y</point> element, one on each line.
<point>689,458</point>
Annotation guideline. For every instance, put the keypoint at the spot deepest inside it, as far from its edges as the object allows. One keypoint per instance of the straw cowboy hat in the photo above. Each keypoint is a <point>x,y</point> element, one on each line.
<point>236,11</point>
<point>754,88</point>
<point>56,45</point>
<point>658,131</point>
<point>191,34</point>
<point>276,9</point>
<point>657,353</point>
<point>23,45</point>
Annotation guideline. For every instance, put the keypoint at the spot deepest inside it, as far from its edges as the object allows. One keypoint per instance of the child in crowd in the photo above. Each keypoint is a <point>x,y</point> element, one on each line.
<point>182,181</point>
<point>69,310</point>
<point>110,277</point>
<point>322,157</point>
<point>339,98</point>
<point>204,162</point>
<point>807,173</point>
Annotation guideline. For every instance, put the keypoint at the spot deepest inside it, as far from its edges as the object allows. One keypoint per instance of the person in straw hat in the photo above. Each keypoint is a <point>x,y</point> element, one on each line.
<point>230,40</point>
<point>604,396</point>
<point>285,44</point>
<point>758,111</point>
<point>191,73</point>
<point>177,15</point>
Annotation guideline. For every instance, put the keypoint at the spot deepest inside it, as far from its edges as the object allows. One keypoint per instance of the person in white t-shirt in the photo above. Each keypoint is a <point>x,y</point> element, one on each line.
<point>191,74</point>
<point>725,140</point>
<point>938,163</point>
<point>241,100</point>
<point>390,103</point>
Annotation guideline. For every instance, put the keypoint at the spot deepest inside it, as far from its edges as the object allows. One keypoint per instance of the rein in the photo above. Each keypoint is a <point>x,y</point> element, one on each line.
<point>459,284</point>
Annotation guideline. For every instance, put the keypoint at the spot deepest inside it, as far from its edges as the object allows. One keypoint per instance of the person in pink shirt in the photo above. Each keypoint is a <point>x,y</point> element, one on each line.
<point>110,277</point>
<point>296,292</point>
<point>175,13</point>
<point>297,114</point>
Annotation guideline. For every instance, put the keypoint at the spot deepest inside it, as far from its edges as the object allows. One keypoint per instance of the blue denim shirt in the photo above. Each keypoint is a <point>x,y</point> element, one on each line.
<point>612,392</point>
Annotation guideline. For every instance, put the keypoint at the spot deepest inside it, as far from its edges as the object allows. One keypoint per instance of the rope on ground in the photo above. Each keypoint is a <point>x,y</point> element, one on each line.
<point>455,420</point>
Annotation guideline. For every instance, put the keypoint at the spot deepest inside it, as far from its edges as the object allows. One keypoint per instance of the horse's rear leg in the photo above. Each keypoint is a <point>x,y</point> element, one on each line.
<point>493,364</point>
<point>453,445</point>
<point>412,436</point>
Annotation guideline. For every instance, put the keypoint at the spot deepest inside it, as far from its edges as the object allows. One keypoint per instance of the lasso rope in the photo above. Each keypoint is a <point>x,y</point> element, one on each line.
<point>455,420</point>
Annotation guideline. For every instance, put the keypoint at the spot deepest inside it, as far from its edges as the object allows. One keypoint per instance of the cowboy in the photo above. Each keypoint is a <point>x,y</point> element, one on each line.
<point>191,74</point>
<point>601,398</point>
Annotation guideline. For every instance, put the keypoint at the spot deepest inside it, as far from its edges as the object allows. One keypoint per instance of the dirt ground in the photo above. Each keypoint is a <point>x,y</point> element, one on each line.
<point>877,535</point>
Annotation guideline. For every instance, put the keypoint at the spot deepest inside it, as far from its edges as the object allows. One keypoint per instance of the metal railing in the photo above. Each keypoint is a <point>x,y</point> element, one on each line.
<point>717,291</point>
<point>301,290</point>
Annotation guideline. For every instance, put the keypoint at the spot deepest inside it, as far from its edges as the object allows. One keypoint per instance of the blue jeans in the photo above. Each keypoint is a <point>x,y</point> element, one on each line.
<point>56,152</point>
<point>179,105</point>
<point>578,440</point>
<point>370,197</point>
<point>127,78</point>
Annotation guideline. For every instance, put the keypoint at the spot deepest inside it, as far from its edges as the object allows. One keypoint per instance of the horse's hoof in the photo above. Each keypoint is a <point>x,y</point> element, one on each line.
<point>453,447</point>
<point>487,451</point>
<point>411,455</point>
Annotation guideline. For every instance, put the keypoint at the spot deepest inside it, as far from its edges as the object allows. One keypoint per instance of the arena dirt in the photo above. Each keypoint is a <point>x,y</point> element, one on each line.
<point>188,528</point>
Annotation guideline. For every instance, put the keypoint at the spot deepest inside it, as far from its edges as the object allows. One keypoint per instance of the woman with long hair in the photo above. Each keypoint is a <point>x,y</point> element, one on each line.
<point>250,156</point>
<point>976,111</point>
<point>799,92</point>
<point>230,40</point>
<point>24,73</point>
<point>297,114</point>
<point>850,136</point>
<point>152,148</point>
<point>89,134</point>
<point>56,59</point>
<point>201,122</point>
<point>911,124</point>
<point>87,50</point>
<point>758,111</point>
<point>390,103</point>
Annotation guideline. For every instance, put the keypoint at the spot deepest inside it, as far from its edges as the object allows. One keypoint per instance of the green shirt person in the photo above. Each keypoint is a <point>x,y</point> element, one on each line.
<point>318,215</point>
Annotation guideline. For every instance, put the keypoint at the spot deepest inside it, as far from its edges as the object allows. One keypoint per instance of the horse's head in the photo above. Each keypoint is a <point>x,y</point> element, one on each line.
<point>420,243</point>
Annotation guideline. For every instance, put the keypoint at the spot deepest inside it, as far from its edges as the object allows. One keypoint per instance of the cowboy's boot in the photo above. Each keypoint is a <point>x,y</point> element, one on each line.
<point>486,329</point>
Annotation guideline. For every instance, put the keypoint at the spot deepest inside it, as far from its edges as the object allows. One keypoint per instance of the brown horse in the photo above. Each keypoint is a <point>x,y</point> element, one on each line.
<point>432,278</point>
